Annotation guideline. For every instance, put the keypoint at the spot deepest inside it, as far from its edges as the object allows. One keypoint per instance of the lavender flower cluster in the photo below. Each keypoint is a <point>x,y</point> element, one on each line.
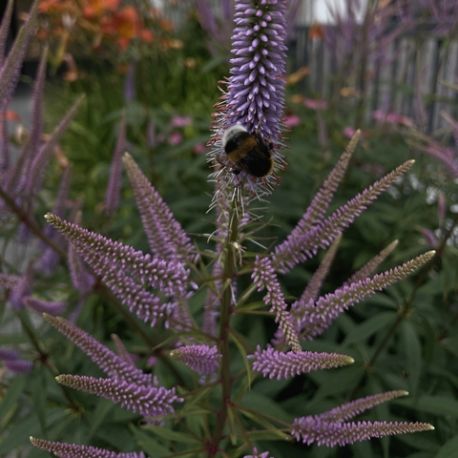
<point>158,287</point>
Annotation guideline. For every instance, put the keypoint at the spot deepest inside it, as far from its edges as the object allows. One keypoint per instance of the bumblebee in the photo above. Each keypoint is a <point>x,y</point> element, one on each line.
<point>247,152</point>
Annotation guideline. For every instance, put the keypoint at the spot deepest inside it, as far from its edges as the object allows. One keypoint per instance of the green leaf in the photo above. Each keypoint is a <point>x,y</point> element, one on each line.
<point>449,449</point>
<point>437,405</point>
<point>413,360</point>
<point>9,402</point>
<point>368,328</point>
<point>98,416</point>
<point>149,444</point>
<point>246,363</point>
<point>264,405</point>
<point>170,435</point>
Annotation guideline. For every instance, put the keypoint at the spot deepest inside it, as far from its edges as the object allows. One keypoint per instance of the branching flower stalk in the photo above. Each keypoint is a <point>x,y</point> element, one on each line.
<point>157,286</point>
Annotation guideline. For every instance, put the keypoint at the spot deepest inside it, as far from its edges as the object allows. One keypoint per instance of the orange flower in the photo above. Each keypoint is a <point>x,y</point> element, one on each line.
<point>55,6</point>
<point>95,8</point>
<point>126,25</point>
<point>9,115</point>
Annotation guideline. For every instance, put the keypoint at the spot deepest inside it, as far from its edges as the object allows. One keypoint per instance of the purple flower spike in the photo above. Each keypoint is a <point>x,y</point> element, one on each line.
<point>66,450</point>
<point>264,277</point>
<point>21,289</point>
<point>114,184</point>
<point>10,70</point>
<point>258,65</point>
<point>113,365</point>
<point>4,29</point>
<point>371,266</point>
<point>151,401</point>
<point>41,158</point>
<point>129,273</point>
<point>313,288</point>
<point>314,430</point>
<point>353,408</point>
<point>42,306</point>
<point>317,317</point>
<point>301,246</point>
<point>277,365</point>
<point>49,259</point>
<point>203,359</point>
<point>82,280</point>
<point>13,361</point>
<point>165,235</point>
<point>8,281</point>
<point>256,454</point>
<point>320,203</point>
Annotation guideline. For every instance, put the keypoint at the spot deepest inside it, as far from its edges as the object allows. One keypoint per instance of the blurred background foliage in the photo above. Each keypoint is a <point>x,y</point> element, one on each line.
<point>163,68</point>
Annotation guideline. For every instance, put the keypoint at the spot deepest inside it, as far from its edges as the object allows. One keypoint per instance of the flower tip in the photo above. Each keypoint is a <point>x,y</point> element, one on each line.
<point>410,162</point>
<point>430,427</point>
<point>403,393</point>
<point>126,157</point>
<point>48,217</point>
<point>349,360</point>
<point>58,378</point>
<point>32,440</point>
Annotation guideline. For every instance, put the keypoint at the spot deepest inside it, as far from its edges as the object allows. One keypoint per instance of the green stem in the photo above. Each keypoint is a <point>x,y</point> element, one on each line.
<point>406,306</point>
<point>230,271</point>
<point>44,356</point>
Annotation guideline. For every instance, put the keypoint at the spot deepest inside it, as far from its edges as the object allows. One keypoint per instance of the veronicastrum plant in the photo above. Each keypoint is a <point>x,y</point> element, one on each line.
<point>198,295</point>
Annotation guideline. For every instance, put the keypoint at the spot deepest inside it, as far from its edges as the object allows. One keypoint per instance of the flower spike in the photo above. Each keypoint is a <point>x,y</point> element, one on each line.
<point>203,359</point>
<point>313,288</point>
<point>129,273</point>
<point>314,430</point>
<point>113,191</point>
<point>166,237</point>
<point>353,408</point>
<point>264,277</point>
<point>320,203</point>
<point>9,72</point>
<point>255,90</point>
<point>302,246</point>
<point>318,316</point>
<point>277,365</point>
<point>113,365</point>
<point>149,401</point>
<point>67,450</point>
<point>373,263</point>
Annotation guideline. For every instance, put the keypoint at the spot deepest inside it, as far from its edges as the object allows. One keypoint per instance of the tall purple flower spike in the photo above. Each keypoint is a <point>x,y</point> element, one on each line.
<point>149,401</point>
<point>109,362</point>
<point>264,277</point>
<point>255,88</point>
<point>279,365</point>
<point>302,245</point>
<point>256,85</point>
<point>10,70</point>
<point>49,258</point>
<point>130,274</point>
<point>332,428</point>
<point>316,316</point>
<point>66,450</point>
<point>166,237</point>
<point>113,191</point>
<point>14,362</point>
